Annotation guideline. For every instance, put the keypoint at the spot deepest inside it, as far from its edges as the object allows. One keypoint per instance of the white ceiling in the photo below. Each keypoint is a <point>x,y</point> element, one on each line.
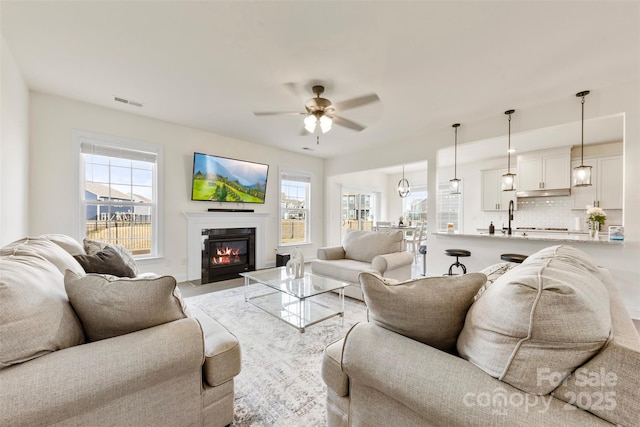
<point>211,64</point>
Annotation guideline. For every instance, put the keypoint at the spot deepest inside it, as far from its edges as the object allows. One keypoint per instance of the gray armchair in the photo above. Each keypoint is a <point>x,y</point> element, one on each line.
<point>377,252</point>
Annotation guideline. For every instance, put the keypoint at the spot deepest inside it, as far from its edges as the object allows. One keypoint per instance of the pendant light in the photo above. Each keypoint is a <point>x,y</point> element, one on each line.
<point>403,186</point>
<point>509,179</point>
<point>582,173</point>
<point>454,184</point>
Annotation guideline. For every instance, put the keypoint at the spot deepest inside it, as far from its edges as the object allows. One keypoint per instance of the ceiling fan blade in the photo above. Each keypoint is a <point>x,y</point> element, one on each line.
<point>294,89</point>
<point>356,102</point>
<point>275,113</point>
<point>347,123</point>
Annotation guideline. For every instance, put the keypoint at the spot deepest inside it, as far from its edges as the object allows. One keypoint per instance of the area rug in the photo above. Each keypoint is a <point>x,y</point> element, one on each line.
<point>280,383</point>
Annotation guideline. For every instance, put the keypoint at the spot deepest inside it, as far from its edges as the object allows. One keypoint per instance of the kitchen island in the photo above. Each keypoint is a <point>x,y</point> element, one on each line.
<point>560,237</point>
<point>620,257</point>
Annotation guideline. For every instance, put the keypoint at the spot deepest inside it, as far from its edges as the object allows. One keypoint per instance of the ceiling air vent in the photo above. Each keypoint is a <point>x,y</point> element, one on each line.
<point>127,101</point>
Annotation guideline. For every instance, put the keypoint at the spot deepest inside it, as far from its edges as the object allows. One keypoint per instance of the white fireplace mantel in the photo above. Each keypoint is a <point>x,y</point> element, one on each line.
<point>198,221</point>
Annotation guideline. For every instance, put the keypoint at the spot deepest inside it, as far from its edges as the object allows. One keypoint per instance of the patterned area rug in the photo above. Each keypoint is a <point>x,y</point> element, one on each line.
<point>280,383</point>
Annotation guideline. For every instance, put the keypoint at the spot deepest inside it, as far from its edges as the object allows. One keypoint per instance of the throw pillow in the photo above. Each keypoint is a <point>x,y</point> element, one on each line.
<point>109,306</point>
<point>493,272</point>
<point>35,315</point>
<point>94,246</point>
<point>67,243</point>
<point>430,310</point>
<point>540,320</point>
<point>45,249</point>
<point>107,261</point>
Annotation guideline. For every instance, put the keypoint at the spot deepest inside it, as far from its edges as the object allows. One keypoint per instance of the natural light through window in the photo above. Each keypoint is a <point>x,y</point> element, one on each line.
<point>295,193</point>
<point>120,196</point>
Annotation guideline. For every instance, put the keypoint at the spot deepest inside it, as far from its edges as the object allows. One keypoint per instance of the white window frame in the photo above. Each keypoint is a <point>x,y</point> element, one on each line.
<point>115,143</point>
<point>445,200</point>
<point>301,176</point>
<point>404,201</point>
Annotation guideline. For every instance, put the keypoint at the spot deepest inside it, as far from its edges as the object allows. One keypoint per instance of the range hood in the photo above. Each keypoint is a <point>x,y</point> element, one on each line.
<point>544,193</point>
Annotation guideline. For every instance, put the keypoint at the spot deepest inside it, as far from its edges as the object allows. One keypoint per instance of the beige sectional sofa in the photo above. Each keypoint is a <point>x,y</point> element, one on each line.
<point>87,349</point>
<point>377,252</point>
<point>547,343</point>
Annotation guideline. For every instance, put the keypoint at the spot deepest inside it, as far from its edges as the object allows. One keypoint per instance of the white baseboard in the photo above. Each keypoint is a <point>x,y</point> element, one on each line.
<point>180,277</point>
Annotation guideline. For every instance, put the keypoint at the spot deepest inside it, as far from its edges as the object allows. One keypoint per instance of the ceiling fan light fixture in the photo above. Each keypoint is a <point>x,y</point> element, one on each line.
<point>325,123</point>
<point>310,123</point>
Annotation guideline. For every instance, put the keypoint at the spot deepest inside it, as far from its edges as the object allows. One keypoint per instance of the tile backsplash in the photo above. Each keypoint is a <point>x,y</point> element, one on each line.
<point>543,212</point>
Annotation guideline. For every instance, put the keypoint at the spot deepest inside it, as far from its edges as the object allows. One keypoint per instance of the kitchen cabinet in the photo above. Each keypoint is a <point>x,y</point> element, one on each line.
<point>606,184</point>
<point>493,198</point>
<point>545,170</point>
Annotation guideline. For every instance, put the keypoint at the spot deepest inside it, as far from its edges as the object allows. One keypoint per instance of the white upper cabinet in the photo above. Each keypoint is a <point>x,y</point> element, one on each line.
<point>606,184</point>
<point>545,170</point>
<point>493,198</point>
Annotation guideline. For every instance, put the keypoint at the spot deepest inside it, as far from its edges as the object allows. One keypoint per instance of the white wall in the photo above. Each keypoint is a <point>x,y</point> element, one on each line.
<point>14,150</point>
<point>372,180</point>
<point>54,185</point>
<point>621,97</point>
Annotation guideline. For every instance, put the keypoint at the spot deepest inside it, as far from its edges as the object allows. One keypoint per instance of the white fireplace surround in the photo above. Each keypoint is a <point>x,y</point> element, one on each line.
<point>198,221</point>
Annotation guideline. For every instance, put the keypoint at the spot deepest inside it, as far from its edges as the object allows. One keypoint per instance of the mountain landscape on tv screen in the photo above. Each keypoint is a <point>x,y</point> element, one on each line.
<point>233,181</point>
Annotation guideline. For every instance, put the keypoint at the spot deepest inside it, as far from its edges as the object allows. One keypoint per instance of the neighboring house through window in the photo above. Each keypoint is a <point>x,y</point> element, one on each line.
<point>414,206</point>
<point>119,192</point>
<point>295,195</point>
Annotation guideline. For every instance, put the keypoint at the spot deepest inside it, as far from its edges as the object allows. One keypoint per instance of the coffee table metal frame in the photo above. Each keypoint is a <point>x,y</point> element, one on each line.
<point>297,302</point>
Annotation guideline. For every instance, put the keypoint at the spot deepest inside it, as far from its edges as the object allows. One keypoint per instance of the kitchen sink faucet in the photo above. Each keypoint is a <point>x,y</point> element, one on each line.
<point>511,208</point>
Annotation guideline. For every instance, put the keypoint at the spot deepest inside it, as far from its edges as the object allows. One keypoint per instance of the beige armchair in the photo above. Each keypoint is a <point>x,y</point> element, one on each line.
<point>376,252</point>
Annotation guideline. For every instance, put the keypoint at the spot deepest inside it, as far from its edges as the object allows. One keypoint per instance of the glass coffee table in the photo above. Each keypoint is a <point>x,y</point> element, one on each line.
<point>299,302</point>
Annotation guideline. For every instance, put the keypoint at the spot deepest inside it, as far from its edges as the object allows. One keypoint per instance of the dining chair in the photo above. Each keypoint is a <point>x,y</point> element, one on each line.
<point>383,225</point>
<point>413,241</point>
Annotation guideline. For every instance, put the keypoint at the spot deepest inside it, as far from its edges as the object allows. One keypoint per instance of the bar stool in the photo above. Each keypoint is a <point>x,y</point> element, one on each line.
<point>457,253</point>
<point>517,258</point>
<point>423,252</point>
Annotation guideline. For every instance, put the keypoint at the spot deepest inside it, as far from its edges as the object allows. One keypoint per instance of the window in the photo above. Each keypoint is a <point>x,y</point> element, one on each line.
<point>449,207</point>
<point>295,193</point>
<point>414,206</point>
<point>119,188</point>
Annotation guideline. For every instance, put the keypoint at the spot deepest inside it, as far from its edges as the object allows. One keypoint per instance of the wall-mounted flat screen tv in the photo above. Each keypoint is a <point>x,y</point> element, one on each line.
<point>220,179</point>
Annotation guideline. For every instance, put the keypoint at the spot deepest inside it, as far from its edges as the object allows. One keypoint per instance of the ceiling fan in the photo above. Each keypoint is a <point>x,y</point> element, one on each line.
<point>321,113</point>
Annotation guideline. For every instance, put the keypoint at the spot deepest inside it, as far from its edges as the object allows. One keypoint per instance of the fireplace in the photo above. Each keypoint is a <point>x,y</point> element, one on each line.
<point>226,252</point>
<point>198,221</point>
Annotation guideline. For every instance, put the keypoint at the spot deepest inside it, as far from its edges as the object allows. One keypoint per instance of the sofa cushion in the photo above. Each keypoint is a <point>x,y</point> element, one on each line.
<point>35,315</point>
<point>109,306</point>
<point>67,243</point>
<point>366,245</point>
<point>346,270</point>
<point>431,310</point>
<point>92,247</point>
<point>107,261</point>
<point>543,317</point>
<point>45,248</point>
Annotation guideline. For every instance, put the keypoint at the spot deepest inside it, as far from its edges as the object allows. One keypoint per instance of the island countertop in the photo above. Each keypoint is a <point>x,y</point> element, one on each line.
<point>538,236</point>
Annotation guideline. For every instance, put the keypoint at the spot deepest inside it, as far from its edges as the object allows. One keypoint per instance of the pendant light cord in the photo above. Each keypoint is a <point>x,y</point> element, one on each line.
<point>509,113</point>
<point>509,148</point>
<point>582,135</point>
<point>455,155</point>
